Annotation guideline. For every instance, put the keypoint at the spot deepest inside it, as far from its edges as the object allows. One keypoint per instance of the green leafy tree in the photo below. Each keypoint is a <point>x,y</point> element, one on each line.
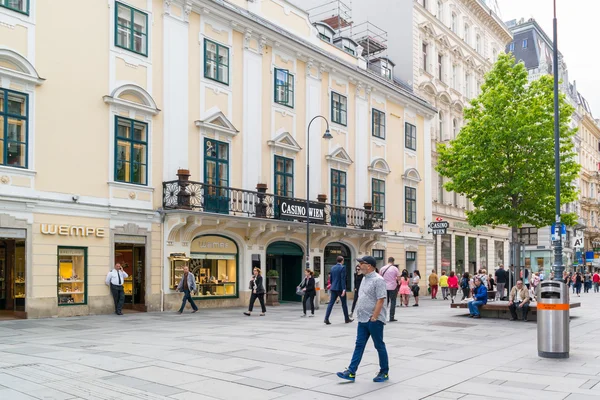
<point>503,158</point>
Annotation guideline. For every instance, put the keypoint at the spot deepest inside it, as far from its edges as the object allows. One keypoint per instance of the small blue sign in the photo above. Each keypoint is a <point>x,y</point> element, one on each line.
<point>589,256</point>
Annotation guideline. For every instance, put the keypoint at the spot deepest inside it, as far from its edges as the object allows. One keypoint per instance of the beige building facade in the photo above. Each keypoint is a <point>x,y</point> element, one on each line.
<point>180,136</point>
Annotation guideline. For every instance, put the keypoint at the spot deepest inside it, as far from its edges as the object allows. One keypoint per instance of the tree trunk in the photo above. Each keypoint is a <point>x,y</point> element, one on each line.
<point>515,258</point>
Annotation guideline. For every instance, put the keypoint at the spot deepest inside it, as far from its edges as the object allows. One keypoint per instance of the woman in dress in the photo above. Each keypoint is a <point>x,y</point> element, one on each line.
<point>453,285</point>
<point>258,292</point>
<point>404,288</point>
<point>308,287</point>
<point>415,287</point>
<point>358,277</point>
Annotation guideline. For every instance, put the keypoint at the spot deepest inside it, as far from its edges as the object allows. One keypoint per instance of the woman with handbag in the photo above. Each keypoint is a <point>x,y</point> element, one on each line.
<point>404,288</point>
<point>307,288</point>
<point>258,292</point>
<point>415,287</point>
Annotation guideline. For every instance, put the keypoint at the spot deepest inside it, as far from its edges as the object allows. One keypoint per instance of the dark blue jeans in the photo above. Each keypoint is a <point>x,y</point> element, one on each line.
<point>374,330</point>
<point>187,297</point>
<point>333,295</point>
<point>474,306</point>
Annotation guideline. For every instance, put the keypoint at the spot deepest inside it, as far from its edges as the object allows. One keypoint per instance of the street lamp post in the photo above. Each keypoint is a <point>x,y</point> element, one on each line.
<point>558,248</point>
<point>328,136</point>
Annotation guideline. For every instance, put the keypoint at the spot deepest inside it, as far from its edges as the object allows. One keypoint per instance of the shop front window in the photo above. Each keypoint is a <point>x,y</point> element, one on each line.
<point>446,241</point>
<point>483,254</point>
<point>214,264</point>
<point>72,273</point>
<point>459,264</point>
<point>499,247</point>
<point>472,255</point>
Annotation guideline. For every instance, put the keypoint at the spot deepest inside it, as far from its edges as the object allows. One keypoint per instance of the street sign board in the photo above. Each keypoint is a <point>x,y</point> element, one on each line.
<point>439,227</point>
<point>578,242</point>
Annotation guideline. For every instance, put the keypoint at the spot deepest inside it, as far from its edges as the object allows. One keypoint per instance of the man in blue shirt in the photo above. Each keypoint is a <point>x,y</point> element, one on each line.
<point>338,289</point>
<point>479,298</point>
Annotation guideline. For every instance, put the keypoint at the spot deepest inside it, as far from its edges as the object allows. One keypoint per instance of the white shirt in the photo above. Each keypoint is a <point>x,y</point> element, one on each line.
<point>113,278</point>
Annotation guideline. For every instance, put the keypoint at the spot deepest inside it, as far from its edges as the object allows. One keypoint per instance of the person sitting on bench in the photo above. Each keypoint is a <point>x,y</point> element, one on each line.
<point>480,298</point>
<point>519,299</point>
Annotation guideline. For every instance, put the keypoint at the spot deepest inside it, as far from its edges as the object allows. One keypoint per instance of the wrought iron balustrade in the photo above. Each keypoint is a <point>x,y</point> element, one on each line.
<point>189,195</point>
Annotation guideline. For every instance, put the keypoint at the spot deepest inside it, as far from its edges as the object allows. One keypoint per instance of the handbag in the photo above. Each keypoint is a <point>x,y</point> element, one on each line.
<point>299,288</point>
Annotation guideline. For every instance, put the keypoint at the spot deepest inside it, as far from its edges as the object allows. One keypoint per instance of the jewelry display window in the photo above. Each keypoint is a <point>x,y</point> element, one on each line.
<point>72,276</point>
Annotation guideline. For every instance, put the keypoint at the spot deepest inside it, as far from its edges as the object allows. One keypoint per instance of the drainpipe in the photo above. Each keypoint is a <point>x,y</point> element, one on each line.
<point>162,263</point>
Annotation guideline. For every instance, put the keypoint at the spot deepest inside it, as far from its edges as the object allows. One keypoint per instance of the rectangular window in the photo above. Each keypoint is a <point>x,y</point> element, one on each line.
<point>410,136</point>
<point>440,66</point>
<point>21,6</point>
<point>525,43</point>
<point>511,47</point>
<point>528,236</point>
<point>454,76</point>
<point>338,198</point>
<point>339,109</point>
<point>131,151</point>
<point>216,176</point>
<point>378,124</point>
<point>216,62</point>
<point>72,274</point>
<point>411,256</point>
<point>131,29</point>
<point>284,87</point>
<point>284,176</point>
<point>379,256</point>
<point>424,57</point>
<point>13,128</point>
<point>410,205</point>
<point>378,196</point>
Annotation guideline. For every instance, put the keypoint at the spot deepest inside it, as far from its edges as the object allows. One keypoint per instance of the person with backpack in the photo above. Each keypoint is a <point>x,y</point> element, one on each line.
<point>464,285</point>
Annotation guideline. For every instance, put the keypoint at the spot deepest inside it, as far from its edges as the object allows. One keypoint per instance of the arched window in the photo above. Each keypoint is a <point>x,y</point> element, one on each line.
<point>441,122</point>
<point>440,10</point>
<point>454,127</point>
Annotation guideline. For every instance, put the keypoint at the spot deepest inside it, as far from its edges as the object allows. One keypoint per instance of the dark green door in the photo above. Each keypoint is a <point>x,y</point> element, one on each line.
<point>287,259</point>
<point>216,176</point>
<point>338,198</point>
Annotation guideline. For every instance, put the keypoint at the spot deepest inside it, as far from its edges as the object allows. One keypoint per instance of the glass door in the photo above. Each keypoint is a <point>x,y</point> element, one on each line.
<point>216,176</point>
<point>139,292</point>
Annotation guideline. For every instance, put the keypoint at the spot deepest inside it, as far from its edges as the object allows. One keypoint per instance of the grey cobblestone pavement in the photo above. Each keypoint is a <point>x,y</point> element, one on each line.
<point>435,353</point>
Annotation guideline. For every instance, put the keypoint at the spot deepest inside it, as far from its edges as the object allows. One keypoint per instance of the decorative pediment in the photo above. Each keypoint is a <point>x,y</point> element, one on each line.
<point>339,155</point>
<point>16,66</point>
<point>380,165</point>
<point>218,122</point>
<point>458,51</point>
<point>412,174</point>
<point>443,39</point>
<point>131,96</point>
<point>285,141</point>
<point>445,98</point>
<point>427,27</point>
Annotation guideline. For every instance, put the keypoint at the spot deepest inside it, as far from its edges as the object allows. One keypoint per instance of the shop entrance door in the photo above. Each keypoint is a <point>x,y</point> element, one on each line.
<point>286,258</point>
<point>12,278</point>
<point>332,251</point>
<point>132,259</point>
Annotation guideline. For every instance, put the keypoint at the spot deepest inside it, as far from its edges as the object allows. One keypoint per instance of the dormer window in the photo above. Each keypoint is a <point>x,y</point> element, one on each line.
<point>347,44</point>
<point>325,32</point>
<point>384,66</point>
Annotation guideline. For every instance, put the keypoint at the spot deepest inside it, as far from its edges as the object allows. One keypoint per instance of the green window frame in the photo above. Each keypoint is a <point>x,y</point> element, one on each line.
<point>216,62</point>
<point>339,109</point>
<point>14,128</point>
<point>378,123</point>
<point>131,34</point>
<point>338,187</point>
<point>20,6</point>
<point>411,256</point>
<point>378,195</point>
<point>71,281</point>
<point>284,176</point>
<point>131,151</point>
<point>284,87</point>
<point>216,176</point>
<point>410,136</point>
<point>410,205</point>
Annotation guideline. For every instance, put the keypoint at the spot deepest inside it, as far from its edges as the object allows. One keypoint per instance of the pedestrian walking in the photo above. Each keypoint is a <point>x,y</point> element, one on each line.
<point>258,292</point>
<point>309,288</point>
<point>370,311</point>
<point>465,286</point>
<point>390,273</point>
<point>115,279</point>
<point>433,283</point>
<point>501,278</point>
<point>404,288</point>
<point>338,290</point>
<point>587,285</point>
<point>453,285</point>
<point>491,282</point>
<point>578,282</point>
<point>358,277</point>
<point>444,285</point>
<point>415,287</point>
<point>596,282</point>
<point>187,284</point>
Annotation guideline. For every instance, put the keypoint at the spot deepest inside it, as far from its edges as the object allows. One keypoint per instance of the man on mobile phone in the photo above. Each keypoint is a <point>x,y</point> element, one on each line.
<point>115,279</point>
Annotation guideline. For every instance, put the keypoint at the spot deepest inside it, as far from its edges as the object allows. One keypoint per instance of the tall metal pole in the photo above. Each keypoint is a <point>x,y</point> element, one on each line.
<point>327,136</point>
<point>558,250</point>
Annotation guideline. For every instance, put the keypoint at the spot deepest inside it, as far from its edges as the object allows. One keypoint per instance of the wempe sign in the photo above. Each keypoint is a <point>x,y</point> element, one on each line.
<point>292,209</point>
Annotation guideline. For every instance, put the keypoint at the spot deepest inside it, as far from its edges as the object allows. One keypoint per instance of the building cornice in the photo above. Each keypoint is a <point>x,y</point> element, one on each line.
<point>243,21</point>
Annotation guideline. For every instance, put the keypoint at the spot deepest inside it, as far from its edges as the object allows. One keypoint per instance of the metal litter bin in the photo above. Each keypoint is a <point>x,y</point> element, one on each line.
<point>553,319</point>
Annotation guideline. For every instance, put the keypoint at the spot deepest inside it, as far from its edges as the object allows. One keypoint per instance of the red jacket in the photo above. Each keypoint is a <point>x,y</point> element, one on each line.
<point>453,282</point>
<point>596,278</point>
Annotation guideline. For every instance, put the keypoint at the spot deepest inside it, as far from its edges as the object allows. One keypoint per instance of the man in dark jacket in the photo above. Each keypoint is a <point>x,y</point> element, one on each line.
<point>479,298</point>
<point>187,285</point>
<point>338,289</point>
<point>500,282</point>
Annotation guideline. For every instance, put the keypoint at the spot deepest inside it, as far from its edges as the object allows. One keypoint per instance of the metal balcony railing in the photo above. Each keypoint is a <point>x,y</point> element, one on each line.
<point>184,194</point>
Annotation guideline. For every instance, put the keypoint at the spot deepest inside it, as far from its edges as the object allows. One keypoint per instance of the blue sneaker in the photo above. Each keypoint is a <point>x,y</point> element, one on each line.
<point>347,375</point>
<point>381,377</point>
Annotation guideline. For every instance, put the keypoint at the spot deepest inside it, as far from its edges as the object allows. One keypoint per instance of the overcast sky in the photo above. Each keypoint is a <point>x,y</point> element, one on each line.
<point>578,29</point>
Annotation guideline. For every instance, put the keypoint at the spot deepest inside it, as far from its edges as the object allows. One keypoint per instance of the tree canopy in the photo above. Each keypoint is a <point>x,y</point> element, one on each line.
<point>503,157</point>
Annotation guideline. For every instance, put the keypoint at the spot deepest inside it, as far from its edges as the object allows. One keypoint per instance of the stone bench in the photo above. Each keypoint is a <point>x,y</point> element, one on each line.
<point>499,309</point>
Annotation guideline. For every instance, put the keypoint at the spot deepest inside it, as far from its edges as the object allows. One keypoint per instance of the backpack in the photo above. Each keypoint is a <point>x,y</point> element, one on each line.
<point>464,283</point>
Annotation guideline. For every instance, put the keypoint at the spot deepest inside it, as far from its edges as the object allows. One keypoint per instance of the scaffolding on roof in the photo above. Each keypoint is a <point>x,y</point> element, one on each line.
<point>334,13</point>
<point>370,37</point>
